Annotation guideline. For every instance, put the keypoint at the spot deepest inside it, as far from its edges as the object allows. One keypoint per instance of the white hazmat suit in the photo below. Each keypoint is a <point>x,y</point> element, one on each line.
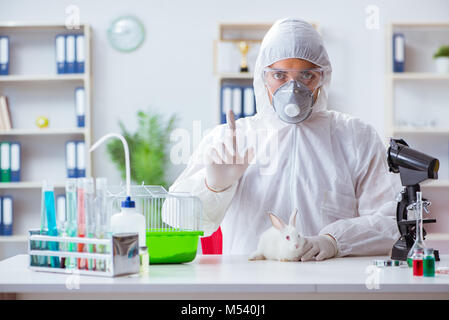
<point>332,167</point>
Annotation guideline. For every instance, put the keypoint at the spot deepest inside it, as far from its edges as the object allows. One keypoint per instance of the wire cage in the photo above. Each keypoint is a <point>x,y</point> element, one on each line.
<point>173,221</point>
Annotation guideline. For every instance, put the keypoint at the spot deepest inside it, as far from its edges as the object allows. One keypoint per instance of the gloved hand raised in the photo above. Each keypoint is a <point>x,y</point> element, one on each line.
<point>319,248</point>
<point>224,165</point>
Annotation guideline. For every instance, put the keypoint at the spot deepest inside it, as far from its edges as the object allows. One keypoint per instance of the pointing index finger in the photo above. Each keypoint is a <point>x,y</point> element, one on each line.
<point>231,124</point>
<point>230,120</point>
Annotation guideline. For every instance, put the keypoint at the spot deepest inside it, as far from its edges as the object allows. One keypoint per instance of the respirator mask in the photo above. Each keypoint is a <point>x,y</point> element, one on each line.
<point>292,91</point>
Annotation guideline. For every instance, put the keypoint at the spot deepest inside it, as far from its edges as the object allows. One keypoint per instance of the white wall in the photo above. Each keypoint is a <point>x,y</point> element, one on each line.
<point>172,71</point>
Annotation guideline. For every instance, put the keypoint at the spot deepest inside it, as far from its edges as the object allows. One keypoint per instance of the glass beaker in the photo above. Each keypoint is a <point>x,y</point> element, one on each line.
<point>419,238</point>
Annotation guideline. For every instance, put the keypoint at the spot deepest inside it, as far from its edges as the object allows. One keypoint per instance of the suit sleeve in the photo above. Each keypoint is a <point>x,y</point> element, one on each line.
<point>374,230</point>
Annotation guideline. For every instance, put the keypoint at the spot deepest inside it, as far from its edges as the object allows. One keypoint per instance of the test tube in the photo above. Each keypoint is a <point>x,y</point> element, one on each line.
<point>81,219</point>
<point>89,210</point>
<point>72,224</point>
<point>50,209</point>
<point>61,223</point>
<point>43,261</point>
<point>103,217</point>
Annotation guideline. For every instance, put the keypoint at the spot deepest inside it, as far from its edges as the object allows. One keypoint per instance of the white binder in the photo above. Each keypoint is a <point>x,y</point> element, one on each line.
<point>80,159</point>
<point>248,104</point>
<point>70,156</point>
<point>227,100</point>
<point>80,108</point>
<point>80,53</point>
<point>4,55</point>
<point>237,101</point>
<point>15,161</point>
<point>60,53</point>
<point>7,215</point>
<point>70,53</point>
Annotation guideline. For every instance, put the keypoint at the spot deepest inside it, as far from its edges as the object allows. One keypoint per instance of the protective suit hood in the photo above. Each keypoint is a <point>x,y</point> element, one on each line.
<point>290,38</point>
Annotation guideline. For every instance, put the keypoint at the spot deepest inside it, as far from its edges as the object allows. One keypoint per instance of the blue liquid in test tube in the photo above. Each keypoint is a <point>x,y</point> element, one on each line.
<point>50,210</point>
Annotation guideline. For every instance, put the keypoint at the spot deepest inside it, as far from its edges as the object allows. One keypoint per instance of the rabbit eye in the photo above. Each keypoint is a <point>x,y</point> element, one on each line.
<point>287,237</point>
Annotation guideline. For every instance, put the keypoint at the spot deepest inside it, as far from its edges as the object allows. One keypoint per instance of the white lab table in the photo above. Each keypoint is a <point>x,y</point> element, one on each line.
<point>230,277</point>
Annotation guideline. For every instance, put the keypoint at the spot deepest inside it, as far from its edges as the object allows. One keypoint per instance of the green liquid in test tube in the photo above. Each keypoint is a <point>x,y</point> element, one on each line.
<point>89,211</point>
<point>81,218</point>
<point>61,222</point>
<point>102,218</point>
<point>43,261</point>
<point>72,223</point>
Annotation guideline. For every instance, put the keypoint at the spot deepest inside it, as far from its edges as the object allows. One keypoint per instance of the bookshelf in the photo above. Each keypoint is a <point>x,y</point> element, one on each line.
<point>43,77</point>
<point>226,55</point>
<point>35,89</point>
<point>420,87</point>
<point>419,73</point>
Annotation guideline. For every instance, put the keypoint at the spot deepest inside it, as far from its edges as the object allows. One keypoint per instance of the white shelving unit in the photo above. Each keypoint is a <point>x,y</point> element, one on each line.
<point>44,77</point>
<point>27,185</point>
<point>33,84</point>
<point>421,41</point>
<point>44,132</point>
<point>424,75</point>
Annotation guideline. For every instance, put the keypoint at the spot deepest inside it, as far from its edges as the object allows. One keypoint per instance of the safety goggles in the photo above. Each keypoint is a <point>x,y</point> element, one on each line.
<point>311,78</point>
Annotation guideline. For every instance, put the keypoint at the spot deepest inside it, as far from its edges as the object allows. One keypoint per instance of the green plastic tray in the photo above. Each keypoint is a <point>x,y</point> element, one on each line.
<point>171,246</point>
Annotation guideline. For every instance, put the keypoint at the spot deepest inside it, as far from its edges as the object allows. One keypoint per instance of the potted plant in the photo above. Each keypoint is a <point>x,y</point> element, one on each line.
<point>147,148</point>
<point>442,59</point>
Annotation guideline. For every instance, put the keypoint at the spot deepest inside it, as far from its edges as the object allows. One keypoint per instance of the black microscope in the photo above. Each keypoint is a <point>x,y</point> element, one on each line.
<point>414,167</point>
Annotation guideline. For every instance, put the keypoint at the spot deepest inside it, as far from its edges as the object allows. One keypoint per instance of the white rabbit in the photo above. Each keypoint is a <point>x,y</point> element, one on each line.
<point>280,242</point>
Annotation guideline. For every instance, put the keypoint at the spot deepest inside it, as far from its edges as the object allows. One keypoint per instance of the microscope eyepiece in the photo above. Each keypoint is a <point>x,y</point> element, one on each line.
<point>413,165</point>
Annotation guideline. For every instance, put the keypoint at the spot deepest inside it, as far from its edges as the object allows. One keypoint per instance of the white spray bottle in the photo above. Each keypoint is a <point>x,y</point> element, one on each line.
<point>128,219</point>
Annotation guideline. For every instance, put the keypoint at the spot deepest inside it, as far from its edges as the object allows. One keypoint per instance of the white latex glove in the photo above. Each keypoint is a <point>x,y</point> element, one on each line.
<point>224,164</point>
<point>319,248</point>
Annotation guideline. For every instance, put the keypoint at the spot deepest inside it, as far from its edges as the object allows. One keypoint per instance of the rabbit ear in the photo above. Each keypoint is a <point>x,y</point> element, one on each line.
<point>292,221</point>
<point>277,222</point>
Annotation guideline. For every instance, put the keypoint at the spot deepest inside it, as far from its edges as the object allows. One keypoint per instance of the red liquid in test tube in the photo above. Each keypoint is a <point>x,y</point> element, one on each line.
<point>81,226</point>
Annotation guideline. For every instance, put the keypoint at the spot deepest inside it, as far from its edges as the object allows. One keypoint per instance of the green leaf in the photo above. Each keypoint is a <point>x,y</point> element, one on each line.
<point>148,148</point>
<point>443,51</point>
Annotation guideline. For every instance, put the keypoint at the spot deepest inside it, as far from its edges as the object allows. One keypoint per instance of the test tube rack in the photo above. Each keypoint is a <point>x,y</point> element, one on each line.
<point>121,256</point>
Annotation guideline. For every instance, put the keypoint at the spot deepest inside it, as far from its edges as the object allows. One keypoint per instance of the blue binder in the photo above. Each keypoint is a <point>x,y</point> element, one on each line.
<point>237,101</point>
<point>60,50</point>
<point>70,55</point>
<point>70,156</point>
<point>15,153</point>
<point>80,159</point>
<point>7,212</point>
<point>80,106</point>
<point>225,102</point>
<point>80,53</point>
<point>249,101</point>
<point>398,52</point>
<point>4,55</point>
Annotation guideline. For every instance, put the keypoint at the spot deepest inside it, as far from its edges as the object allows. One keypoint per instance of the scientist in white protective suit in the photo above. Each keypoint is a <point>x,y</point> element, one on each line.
<point>330,166</point>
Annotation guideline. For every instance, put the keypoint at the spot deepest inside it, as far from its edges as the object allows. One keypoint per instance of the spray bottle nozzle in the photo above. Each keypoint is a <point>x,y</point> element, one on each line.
<point>128,203</point>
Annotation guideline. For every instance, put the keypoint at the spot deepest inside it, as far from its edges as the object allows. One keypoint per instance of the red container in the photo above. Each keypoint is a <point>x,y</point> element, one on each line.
<point>418,268</point>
